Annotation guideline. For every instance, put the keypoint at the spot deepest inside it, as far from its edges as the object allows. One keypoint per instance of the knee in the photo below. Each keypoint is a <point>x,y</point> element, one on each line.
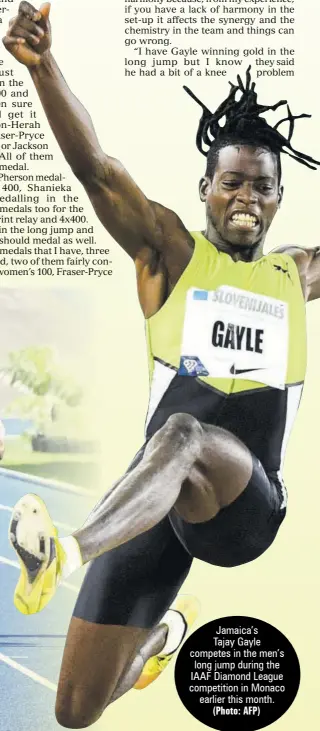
<point>78,709</point>
<point>179,430</point>
<point>184,424</point>
<point>72,716</point>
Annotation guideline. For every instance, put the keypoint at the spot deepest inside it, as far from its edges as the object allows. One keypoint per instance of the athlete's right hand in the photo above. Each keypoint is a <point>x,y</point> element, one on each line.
<point>29,34</point>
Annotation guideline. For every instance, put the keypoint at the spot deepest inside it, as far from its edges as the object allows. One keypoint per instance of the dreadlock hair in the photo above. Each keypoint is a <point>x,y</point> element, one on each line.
<point>243,125</point>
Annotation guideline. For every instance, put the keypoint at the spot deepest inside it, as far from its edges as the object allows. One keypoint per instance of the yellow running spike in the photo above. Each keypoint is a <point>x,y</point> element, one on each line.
<point>41,556</point>
<point>188,607</point>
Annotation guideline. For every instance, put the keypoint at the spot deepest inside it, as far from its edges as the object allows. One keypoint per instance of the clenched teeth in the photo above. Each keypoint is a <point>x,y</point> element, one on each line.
<point>244,219</point>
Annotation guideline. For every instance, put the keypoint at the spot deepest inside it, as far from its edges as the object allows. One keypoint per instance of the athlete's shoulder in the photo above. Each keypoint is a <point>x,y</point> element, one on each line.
<point>297,260</point>
<point>298,253</point>
<point>291,250</point>
<point>300,256</point>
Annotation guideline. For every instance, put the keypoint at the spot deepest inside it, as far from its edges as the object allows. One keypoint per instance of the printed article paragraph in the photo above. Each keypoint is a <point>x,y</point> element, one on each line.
<point>199,37</point>
<point>44,230</point>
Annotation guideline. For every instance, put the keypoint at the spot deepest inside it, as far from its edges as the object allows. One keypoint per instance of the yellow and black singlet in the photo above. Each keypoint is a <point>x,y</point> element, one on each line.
<point>229,347</point>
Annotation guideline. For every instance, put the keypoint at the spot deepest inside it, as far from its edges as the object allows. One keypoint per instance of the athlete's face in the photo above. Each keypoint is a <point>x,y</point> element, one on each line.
<point>242,197</point>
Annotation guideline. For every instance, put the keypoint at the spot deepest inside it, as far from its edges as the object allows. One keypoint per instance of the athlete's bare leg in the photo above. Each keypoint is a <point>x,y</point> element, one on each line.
<point>115,655</point>
<point>197,469</point>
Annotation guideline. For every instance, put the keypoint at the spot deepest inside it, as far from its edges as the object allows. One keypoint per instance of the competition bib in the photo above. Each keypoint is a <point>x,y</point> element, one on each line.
<point>233,333</point>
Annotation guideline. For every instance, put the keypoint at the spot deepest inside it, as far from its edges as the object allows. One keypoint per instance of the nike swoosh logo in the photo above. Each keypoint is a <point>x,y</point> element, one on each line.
<point>237,371</point>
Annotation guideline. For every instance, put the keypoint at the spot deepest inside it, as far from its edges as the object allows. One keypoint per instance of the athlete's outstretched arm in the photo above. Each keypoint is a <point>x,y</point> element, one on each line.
<point>136,223</point>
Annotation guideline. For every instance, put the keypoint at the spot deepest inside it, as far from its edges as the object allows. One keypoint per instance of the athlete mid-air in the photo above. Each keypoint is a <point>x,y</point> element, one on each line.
<point>227,355</point>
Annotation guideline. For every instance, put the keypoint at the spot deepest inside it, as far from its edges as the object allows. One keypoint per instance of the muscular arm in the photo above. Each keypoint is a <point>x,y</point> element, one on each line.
<point>120,205</point>
<point>151,234</point>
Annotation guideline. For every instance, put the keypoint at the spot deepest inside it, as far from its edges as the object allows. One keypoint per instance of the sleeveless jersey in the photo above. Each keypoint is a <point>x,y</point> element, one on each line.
<point>229,347</point>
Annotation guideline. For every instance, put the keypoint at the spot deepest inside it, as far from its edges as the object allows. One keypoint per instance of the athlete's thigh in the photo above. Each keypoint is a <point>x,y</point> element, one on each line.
<point>227,461</point>
<point>241,530</point>
<point>135,583</point>
<point>219,475</point>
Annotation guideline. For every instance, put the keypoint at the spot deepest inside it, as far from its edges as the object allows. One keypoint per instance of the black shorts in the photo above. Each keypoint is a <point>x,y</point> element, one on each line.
<point>135,583</point>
